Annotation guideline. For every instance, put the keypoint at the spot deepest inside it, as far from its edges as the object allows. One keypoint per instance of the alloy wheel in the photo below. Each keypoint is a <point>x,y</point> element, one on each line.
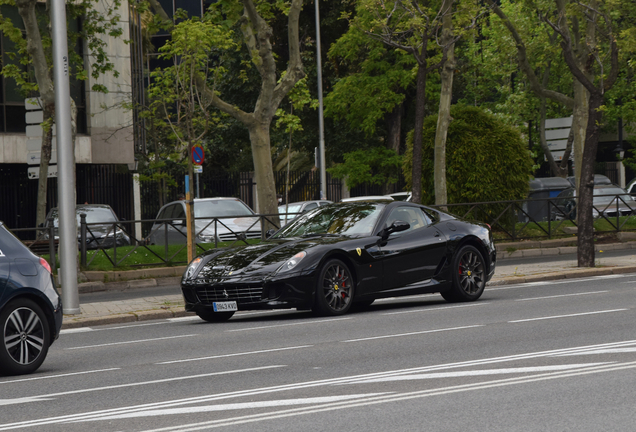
<point>24,336</point>
<point>471,272</point>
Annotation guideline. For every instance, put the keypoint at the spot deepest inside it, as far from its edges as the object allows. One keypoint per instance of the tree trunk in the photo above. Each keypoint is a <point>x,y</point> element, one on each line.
<point>26,9</point>
<point>579,125</point>
<point>263,172</point>
<point>585,250</point>
<point>443,118</point>
<point>394,133</point>
<point>420,107</point>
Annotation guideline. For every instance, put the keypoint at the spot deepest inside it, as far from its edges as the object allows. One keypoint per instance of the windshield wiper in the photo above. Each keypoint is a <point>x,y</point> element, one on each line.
<point>320,235</point>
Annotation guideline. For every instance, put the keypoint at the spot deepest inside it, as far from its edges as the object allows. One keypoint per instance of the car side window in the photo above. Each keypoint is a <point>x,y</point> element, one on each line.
<point>414,216</point>
<point>179,212</point>
<point>310,206</point>
<point>165,213</point>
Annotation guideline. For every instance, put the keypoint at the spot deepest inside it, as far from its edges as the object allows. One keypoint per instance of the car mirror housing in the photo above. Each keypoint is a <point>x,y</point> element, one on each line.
<point>396,226</point>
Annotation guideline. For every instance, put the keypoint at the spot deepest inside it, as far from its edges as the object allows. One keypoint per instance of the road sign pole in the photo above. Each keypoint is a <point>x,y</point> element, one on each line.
<point>66,173</point>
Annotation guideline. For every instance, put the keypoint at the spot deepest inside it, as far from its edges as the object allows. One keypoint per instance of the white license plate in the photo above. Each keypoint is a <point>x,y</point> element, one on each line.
<point>224,306</point>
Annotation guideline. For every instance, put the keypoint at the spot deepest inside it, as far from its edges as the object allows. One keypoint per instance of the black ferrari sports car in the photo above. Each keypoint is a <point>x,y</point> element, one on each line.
<point>343,254</point>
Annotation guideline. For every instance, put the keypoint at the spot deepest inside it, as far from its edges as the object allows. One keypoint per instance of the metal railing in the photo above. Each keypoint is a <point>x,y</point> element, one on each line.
<point>546,217</point>
<point>510,221</point>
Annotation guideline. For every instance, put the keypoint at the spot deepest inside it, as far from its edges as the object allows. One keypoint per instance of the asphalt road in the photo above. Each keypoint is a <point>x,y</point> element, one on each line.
<point>548,356</point>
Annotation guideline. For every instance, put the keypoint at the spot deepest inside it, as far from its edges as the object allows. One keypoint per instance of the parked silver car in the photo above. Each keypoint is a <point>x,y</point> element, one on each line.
<point>220,219</point>
<point>102,229</point>
<point>607,201</point>
<point>292,210</point>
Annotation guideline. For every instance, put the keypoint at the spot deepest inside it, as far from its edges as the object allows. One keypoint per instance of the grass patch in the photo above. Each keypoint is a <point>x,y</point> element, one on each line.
<point>131,257</point>
<point>554,229</point>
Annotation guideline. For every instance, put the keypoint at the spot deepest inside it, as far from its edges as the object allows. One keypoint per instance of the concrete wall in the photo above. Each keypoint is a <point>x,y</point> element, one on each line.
<point>109,124</point>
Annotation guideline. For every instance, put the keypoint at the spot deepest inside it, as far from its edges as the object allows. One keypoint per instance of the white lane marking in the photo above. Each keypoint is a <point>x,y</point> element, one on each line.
<point>58,376</point>
<point>118,386</point>
<point>237,406</point>
<point>412,333</point>
<point>568,316</point>
<point>436,308</point>
<point>603,351</point>
<point>562,295</point>
<point>483,372</point>
<point>76,330</point>
<point>236,354</point>
<point>130,342</point>
<point>185,318</point>
<point>309,384</point>
<point>289,324</point>
<point>556,282</point>
<point>388,399</point>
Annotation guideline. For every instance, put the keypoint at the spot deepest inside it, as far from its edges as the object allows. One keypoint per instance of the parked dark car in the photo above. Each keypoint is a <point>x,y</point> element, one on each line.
<point>599,179</point>
<point>294,209</point>
<point>234,220</point>
<point>341,254</point>
<point>30,307</point>
<point>608,201</point>
<point>102,229</point>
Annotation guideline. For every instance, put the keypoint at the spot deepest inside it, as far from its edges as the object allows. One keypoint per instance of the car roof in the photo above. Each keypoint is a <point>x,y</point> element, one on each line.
<point>368,198</point>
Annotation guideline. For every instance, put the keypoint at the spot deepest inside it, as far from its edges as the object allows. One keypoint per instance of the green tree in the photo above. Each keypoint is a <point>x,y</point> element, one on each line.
<point>179,93</point>
<point>377,166</point>
<point>252,17</point>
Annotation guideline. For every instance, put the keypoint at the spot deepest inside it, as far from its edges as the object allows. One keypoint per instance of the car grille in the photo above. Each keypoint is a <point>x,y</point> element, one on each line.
<point>240,294</point>
<point>228,237</point>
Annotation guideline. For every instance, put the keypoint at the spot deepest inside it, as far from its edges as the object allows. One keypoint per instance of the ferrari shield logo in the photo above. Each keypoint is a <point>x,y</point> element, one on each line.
<point>359,251</point>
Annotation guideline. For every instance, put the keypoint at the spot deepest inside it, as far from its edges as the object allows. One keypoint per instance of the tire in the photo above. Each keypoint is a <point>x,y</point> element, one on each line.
<point>215,317</point>
<point>25,337</point>
<point>334,289</point>
<point>469,276</point>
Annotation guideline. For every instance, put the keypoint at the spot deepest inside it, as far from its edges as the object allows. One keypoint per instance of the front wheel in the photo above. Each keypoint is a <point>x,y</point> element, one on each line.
<point>469,276</point>
<point>334,290</point>
<point>211,316</point>
<point>25,337</point>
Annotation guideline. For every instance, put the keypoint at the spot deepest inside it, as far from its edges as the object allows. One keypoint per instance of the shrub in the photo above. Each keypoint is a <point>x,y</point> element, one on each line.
<point>486,160</point>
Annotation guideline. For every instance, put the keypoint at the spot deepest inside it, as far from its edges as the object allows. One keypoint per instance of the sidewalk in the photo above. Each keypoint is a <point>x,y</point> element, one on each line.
<point>171,306</point>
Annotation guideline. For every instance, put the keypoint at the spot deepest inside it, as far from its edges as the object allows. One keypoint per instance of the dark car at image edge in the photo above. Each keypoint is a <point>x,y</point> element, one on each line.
<point>30,307</point>
<point>343,254</point>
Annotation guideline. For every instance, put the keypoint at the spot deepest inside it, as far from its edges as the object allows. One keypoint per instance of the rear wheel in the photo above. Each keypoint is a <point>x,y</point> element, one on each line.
<point>334,290</point>
<point>25,337</point>
<point>211,316</point>
<point>469,275</point>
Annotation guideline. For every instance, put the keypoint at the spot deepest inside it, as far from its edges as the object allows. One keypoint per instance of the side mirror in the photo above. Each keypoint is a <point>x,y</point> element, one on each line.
<point>396,226</point>
<point>270,232</point>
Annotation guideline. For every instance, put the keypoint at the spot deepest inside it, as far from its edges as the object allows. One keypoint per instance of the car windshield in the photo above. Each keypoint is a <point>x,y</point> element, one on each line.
<point>219,208</point>
<point>611,196</point>
<point>93,215</point>
<point>295,208</point>
<point>354,219</point>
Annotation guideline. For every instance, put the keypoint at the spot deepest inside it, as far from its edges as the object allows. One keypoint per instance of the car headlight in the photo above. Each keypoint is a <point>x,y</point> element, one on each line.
<point>192,268</point>
<point>292,262</point>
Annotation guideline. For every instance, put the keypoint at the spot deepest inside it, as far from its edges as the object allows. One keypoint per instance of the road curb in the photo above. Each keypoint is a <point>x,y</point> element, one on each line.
<point>74,321</point>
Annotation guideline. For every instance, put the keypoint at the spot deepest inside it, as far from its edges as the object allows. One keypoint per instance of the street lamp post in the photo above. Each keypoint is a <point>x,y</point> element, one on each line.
<point>321,124</point>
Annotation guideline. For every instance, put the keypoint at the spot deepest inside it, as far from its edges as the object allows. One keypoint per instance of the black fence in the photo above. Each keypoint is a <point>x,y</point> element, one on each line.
<point>96,184</point>
<point>510,221</point>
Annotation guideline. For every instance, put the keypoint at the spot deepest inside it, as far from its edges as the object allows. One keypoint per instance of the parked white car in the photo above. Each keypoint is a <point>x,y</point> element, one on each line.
<point>220,219</point>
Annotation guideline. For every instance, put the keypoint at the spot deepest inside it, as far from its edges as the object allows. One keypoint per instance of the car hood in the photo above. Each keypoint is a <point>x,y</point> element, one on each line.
<point>264,257</point>
<point>206,226</point>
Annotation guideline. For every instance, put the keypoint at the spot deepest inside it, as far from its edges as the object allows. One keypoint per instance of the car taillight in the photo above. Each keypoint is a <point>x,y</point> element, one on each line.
<point>44,263</point>
<point>488,225</point>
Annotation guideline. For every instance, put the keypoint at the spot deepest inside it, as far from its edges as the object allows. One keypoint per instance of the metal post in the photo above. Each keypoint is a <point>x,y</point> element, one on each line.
<point>66,171</point>
<point>321,123</point>
<point>49,224</point>
<point>83,239</point>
